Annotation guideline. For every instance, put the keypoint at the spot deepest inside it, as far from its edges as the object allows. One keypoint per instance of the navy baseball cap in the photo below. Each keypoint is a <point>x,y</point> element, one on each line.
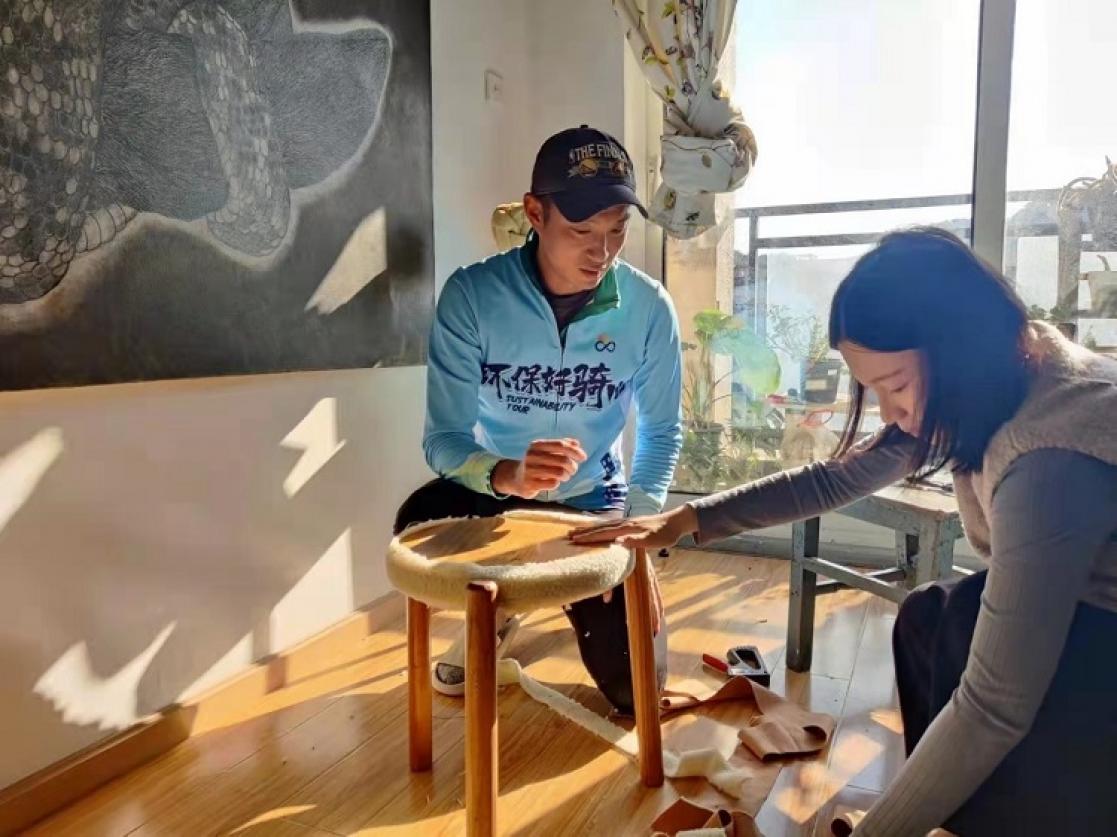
<point>584,171</point>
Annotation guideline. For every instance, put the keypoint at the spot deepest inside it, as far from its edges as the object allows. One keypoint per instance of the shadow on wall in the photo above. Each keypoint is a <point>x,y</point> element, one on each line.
<point>156,539</point>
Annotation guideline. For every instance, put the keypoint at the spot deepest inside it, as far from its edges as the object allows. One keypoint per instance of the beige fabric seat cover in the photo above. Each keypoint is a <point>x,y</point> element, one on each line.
<point>525,552</point>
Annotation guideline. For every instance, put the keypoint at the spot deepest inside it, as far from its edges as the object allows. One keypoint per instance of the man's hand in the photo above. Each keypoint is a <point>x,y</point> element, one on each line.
<point>547,464</point>
<point>657,531</point>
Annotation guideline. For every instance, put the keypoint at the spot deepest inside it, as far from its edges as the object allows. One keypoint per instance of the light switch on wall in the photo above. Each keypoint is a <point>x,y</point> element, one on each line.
<point>494,86</point>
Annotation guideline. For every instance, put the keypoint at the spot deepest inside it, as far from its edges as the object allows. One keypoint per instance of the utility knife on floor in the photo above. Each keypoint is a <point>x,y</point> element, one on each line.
<point>743,661</point>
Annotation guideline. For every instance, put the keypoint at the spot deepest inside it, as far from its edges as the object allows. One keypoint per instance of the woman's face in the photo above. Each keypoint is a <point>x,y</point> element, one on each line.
<point>895,377</point>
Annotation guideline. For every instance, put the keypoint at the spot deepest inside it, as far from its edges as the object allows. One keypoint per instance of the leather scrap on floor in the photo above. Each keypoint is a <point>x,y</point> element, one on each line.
<point>684,818</point>
<point>781,728</point>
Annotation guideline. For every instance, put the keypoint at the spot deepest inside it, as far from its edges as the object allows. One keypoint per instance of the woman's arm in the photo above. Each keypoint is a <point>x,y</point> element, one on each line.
<point>791,495</point>
<point>808,491</point>
<point>1052,513</point>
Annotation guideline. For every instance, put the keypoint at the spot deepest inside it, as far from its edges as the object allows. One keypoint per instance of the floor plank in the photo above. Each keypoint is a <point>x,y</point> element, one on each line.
<point>327,754</point>
<point>869,744</point>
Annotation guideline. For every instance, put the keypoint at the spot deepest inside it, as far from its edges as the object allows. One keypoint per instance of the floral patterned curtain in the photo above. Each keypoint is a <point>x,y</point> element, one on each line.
<point>707,148</point>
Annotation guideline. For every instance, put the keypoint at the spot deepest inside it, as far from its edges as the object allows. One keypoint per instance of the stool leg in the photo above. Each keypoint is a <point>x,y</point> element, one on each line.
<point>645,691</point>
<point>481,769</point>
<point>419,685</point>
<point>907,551</point>
<point>801,596</point>
<point>936,553</point>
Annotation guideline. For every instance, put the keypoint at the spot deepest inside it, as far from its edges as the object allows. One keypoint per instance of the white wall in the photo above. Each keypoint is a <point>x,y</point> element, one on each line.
<point>483,153</point>
<point>157,505</point>
<point>582,72</point>
<point>563,64</point>
<point>148,545</point>
<point>577,74</point>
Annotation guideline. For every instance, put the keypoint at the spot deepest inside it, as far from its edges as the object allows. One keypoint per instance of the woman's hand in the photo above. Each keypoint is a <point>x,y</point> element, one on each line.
<point>656,531</point>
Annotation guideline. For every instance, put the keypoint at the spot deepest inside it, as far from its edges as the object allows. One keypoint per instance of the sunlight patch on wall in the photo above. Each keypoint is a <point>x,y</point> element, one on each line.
<point>316,436</point>
<point>84,697</point>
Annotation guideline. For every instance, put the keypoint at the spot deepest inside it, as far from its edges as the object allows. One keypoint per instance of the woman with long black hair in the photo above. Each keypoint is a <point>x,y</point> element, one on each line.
<point>1007,678</point>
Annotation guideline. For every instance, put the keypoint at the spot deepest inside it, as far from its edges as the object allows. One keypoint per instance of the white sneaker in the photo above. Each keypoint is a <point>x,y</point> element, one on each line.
<point>448,677</point>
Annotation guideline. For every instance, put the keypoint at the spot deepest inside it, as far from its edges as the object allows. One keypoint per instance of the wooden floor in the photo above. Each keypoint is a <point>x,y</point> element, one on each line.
<point>327,754</point>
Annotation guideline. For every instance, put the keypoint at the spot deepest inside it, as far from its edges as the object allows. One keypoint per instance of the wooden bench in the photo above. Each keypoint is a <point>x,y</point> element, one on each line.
<point>926,523</point>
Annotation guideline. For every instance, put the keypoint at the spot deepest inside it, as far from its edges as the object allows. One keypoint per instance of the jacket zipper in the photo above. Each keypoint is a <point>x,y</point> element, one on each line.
<point>547,495</point>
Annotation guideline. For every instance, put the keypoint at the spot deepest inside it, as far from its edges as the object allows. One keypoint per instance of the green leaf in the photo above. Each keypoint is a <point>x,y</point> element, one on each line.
<point>712,322</point>
<point>669,8</point>
<point>754,363</point>
<point>759,371</point>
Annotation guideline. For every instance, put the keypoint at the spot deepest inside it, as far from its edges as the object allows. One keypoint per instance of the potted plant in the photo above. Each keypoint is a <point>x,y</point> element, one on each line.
<point>753,365</point>
<point>821,372</point>
<point>1103,290</point>
<point>803,337</point>
<point>1094,201</point>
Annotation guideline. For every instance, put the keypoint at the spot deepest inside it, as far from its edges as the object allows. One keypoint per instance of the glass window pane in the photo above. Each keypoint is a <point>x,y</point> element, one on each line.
<point>864,112</point>
<point>1061,213</point>
<point>855,99</point>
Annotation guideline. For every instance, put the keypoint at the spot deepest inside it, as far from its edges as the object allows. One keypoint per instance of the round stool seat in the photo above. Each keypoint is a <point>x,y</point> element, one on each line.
<point>525,552</point>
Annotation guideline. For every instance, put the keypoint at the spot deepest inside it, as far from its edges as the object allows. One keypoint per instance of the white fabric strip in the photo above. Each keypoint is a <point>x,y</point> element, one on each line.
<point>707,762</point>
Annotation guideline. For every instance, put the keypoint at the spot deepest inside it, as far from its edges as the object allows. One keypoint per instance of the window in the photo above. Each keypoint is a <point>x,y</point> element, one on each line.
<point>1060,243</point>
<point>865,115</point>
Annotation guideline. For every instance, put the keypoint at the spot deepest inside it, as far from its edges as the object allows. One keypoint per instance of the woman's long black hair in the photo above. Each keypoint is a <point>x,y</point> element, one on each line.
<point>924,289</point>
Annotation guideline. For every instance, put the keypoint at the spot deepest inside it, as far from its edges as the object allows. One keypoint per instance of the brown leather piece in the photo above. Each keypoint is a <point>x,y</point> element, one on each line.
<point>683,816</point>
<point>780,727</point>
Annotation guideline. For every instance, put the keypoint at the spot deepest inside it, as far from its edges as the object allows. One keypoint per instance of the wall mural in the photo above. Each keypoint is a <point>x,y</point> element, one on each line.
<point>208,187</point>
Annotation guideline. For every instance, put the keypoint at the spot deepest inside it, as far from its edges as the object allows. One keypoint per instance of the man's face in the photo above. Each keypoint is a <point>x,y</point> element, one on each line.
<point>575,256</point>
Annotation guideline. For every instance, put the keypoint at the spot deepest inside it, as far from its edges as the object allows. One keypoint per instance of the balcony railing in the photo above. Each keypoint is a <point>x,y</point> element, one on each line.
<point>723,455</point>
<point>752,273</point>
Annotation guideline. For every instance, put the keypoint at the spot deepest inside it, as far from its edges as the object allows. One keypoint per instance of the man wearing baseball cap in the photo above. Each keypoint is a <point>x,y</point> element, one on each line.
<point>536,356</point>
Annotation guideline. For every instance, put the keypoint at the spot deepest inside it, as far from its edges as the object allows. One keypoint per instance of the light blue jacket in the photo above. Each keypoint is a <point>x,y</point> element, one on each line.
<point>500,376</point>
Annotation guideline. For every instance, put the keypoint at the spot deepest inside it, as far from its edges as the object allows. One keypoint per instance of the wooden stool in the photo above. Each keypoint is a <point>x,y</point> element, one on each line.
<point>521,561</point>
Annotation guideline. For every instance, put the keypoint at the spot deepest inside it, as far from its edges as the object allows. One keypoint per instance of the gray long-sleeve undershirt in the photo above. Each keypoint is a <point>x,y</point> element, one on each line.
<point>804,492</point>
<point>1053,519</point>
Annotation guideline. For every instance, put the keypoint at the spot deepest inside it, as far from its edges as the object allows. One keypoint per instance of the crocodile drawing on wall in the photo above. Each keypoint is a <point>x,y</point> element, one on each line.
<point>210,115</point>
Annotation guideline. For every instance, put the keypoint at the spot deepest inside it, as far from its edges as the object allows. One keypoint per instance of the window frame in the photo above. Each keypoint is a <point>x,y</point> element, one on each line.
<point>996,39</point>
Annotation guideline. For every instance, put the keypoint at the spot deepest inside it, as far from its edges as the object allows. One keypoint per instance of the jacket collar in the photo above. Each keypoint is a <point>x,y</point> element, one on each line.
<point>606,296</point>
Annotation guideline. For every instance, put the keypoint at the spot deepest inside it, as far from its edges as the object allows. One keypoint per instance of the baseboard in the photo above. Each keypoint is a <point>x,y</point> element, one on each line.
<point>56,786</point>
<point>224,703</point>
<point>51,789</point>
